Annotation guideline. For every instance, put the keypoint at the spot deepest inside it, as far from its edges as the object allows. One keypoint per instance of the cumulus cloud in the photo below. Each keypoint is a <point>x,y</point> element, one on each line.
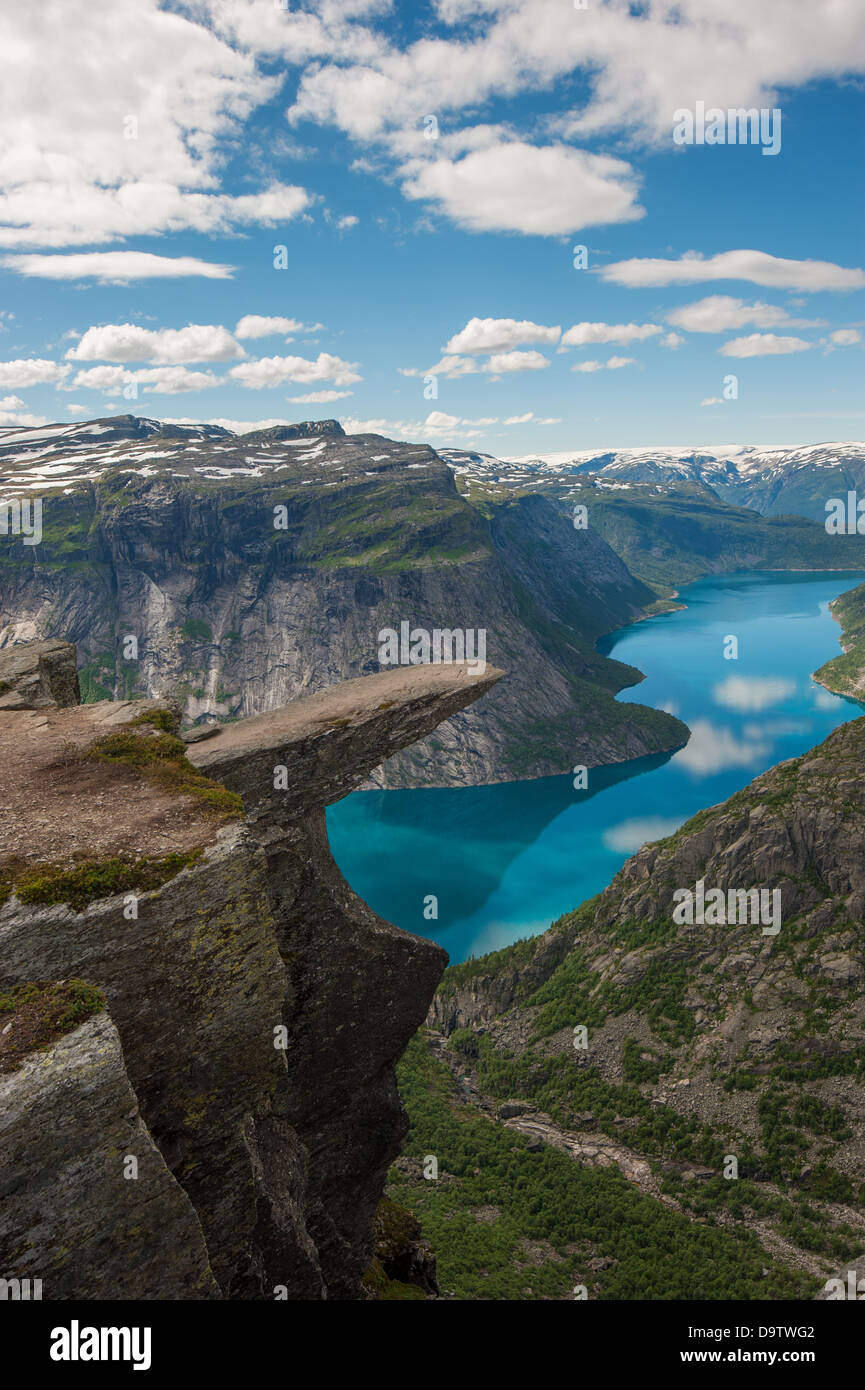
<point>516,187</point>
<point>523,420</point>
<point>763,345</point>
<point>497,335</point>
<point>276,371</point>
<point>136,149</point>
<point>127,342</point>
<point>718,313</point>
<point>23,419</point>
<point>845,337</point>
<point>756,266</point>
<point>319,397</point>
<point>260,326</point>
<point>116,267</point>
<point>639,62</point>
<point>451,366</point>
<point>611,364</point>
<point>164,381</point>
<point>31,371</point>
<point>585,334</point>
<point>502,362</point>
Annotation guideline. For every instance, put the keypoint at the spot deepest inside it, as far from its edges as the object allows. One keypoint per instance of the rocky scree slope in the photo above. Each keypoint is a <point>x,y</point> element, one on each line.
<point>166,534</point>
<point>187,980</point>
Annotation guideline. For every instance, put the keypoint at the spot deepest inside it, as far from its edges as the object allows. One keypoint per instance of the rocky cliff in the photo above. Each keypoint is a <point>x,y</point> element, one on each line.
<point>236,573</point>
<point>199,1020</point>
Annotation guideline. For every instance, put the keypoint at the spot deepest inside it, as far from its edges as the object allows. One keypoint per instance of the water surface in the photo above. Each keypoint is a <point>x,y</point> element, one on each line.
<point>504,861</point>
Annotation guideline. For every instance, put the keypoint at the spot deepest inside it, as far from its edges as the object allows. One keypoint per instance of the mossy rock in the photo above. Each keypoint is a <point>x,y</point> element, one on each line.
<point>34,1015</point>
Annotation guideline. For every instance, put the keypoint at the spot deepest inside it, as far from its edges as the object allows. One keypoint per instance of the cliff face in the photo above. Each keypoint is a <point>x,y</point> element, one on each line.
<point>255,1007</point>
<point>238,573</point>
<point>704,1039</point>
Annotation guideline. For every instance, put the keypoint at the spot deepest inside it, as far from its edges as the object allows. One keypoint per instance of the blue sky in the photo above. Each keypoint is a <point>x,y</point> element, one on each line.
<point>164,151</point>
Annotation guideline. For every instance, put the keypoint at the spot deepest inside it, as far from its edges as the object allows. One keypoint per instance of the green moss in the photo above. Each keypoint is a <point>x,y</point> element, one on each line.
<point>37,1013</point>
<point>93,878</point>
<point>197,630</point>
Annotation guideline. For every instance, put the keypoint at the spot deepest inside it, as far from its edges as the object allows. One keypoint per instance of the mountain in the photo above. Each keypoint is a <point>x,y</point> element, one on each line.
<point>234,573</point>
<point>705,1043</point>
<point>669,534</point>
<point>772,479</point>
<point>668,529</point>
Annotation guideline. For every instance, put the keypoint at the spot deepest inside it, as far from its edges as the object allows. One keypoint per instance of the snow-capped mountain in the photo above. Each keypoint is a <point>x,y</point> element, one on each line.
<point>773,479</point>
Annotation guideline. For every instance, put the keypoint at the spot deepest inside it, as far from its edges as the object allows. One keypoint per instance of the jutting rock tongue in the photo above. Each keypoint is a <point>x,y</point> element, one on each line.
<point>260,1005</point>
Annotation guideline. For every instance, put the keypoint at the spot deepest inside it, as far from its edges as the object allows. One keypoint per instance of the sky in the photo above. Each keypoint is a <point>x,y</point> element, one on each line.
<point>474,223</point>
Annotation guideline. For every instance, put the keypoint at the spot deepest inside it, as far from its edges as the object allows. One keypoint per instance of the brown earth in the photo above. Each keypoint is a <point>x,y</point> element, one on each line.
<point>57,808</point>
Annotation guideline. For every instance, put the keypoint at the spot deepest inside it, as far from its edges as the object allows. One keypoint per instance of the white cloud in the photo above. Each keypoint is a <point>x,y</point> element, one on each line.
<point>638,62</point>
<point>756,266</point>
<point>275,371</point>
<point>75,409</point>
<point>502,362</point>
<point>115,267</point>
<point>845,337</point>
<point>763,345</point>
<point>612,364</point>
<point>672,340</point>
<point>30,371</point>
<point>127,342</point>
<point>516,187</point>
<point>165,381</point>
<point>584,334</point>
<point>712,400</point>
<point>319,397</point>
<point>520,420</point>
<point>719,313</point>
<point>260,326</point>
<point>13,417</point>
<point>750,694</point>
<point>126,130</point>
<point>11,403</point>
<point>235,426</point>
<point>497,335</point>
<point>451,366</point>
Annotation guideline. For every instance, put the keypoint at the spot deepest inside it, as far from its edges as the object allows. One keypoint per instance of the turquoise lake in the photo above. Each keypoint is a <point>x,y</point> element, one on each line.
<point>504,861</point>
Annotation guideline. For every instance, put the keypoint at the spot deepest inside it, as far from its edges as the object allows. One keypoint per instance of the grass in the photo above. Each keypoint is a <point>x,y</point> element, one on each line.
<point>147,746</point>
